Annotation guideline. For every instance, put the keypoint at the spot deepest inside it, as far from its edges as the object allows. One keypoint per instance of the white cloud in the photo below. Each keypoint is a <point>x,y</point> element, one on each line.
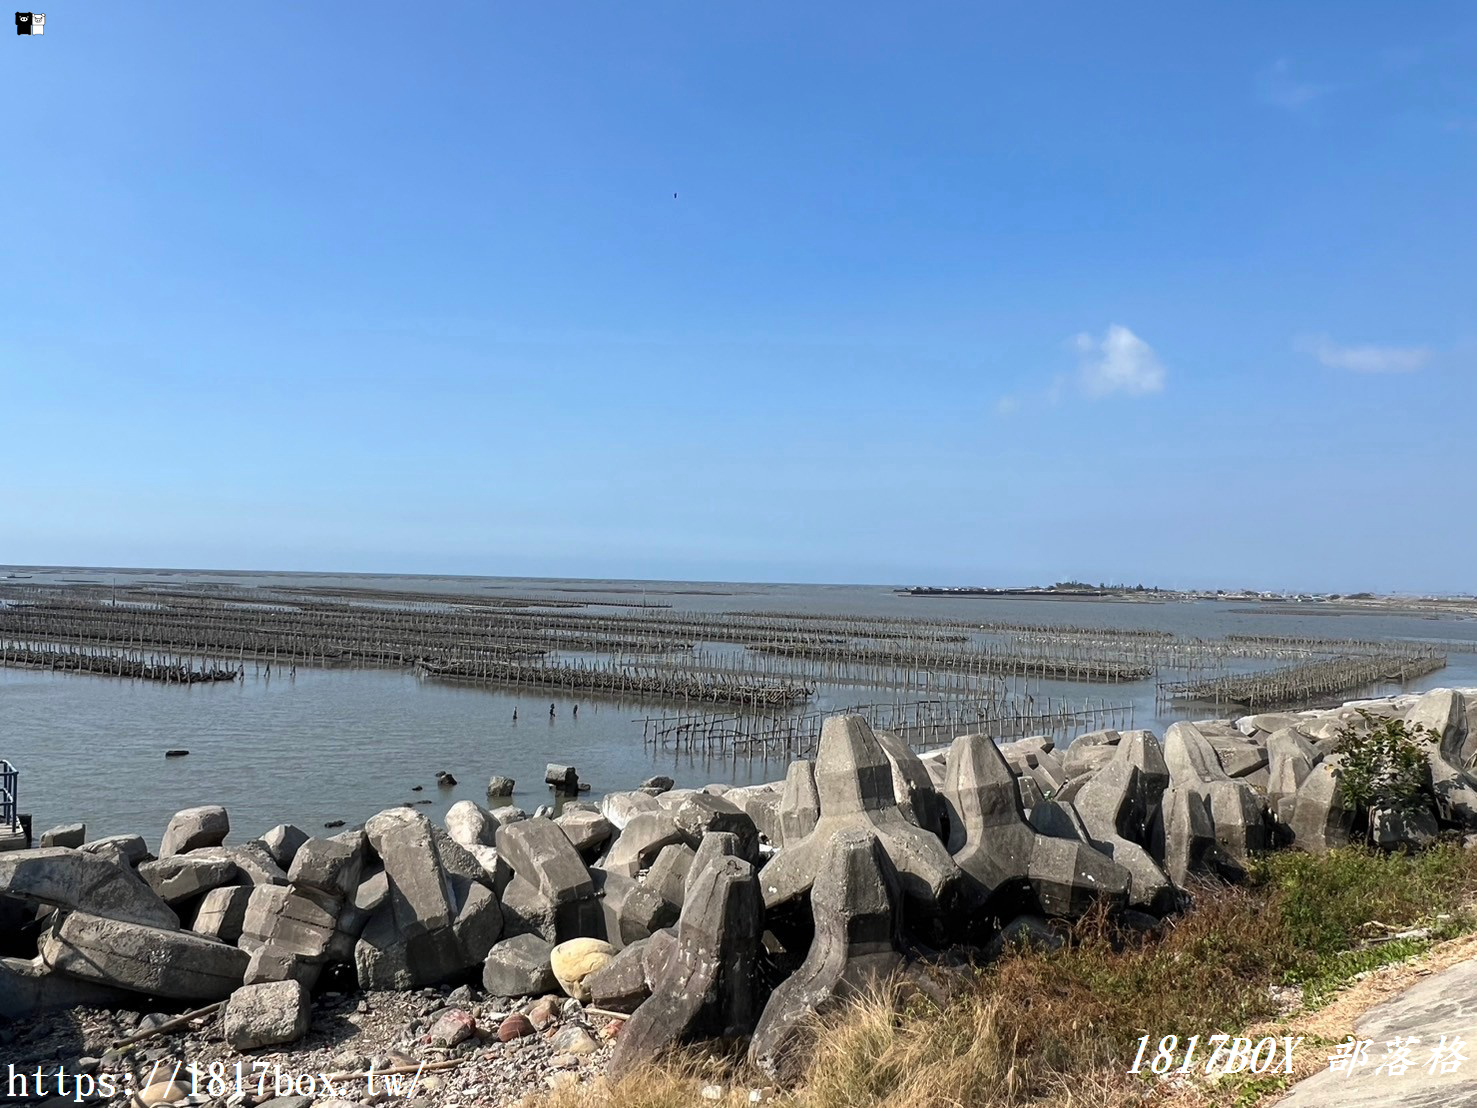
<point>1366,359</point>
<point>1277,86</point>
<point>1120,361</point>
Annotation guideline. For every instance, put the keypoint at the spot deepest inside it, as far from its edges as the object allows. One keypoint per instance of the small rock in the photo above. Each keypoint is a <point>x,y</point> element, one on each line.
<point>713,1092</point>
<point>334,823</point>
<point>543,1012</point>
<point>563,1062</point>
<point>659,784</point>
<point>162,1092</point>
<point>562,1080</point>
<point>574,1040</point>
<point>176,753</point>
<point>500,786</point>
<point>611,1029</point>
<point>416,788</point>
<point>515,1026</point>
<point>453,1027</point>
<point>445,780</point>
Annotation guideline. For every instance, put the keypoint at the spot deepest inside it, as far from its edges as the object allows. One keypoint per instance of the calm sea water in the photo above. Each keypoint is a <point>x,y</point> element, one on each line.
<point>343,744</point>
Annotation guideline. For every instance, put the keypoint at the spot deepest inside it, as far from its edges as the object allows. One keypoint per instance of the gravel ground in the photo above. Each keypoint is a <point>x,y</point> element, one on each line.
<point>550,1041</point>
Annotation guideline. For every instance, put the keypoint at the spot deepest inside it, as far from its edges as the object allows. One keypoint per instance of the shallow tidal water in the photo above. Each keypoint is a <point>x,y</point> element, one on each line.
<point>342,744</point>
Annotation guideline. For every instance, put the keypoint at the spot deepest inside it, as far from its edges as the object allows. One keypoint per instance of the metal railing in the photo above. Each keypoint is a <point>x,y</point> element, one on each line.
<point>10,818</point>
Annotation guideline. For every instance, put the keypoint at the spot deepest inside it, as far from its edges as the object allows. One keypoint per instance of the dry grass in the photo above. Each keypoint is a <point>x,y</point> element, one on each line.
<point>1060,1028</point>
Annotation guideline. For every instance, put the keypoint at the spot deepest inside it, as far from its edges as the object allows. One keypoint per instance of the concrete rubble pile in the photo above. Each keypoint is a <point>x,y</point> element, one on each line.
<point>713,913</point>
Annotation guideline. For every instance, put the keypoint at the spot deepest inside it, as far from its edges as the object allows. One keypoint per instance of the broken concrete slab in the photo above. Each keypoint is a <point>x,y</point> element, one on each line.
<point>222,913</point>
<point>65,834</point>
<point>328,865</point>
<point>1239,757</point>
<point>282,841</point>
<point>621,985</point>
<point>588,832</point>
<point>253,859</point>
<point>548,890</point>
<point>478,923</point>
<point>470,824</point>
<point>519,966</point>
<point>192,828</point>
<point>621,807</point>
<point>419,897</point>
<point>290,919</point>
<point>99,883</point>
<point>30,988</point>
<point>639,842</point>
<point>266,1015</point>
<point>176,964</point>
<point>182,877</point>
<point>1084,759</point>
<point>761,803</point>
<point>631,909</point>
<point>132,847</point>
<point>704,813</point>
<point>270,963</point>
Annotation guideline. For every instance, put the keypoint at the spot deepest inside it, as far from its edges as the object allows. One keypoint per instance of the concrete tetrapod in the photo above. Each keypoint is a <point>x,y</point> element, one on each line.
<point>854,781</point>
<point>1141,749</point>
<point>800,803</point>
<point>1444,712</point>
<point>1010,867</point>
<point>1111,808</point>
<point>914,789</point>
<point>856,905</point>
<point>705,986</point>
<point>1236,813</point>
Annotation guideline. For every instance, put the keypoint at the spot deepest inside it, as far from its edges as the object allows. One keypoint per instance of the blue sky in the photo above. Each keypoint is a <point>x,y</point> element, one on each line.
<point>947,293</point>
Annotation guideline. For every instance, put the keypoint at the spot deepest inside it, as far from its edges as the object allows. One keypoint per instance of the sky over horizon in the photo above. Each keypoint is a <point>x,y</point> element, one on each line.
<point>945,294</point>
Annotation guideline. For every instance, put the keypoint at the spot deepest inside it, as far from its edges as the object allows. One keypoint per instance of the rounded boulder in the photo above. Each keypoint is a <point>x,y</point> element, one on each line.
<point>575,960</point>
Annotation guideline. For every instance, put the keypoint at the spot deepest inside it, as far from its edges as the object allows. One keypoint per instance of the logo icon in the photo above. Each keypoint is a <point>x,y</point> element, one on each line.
<point>30,23</point>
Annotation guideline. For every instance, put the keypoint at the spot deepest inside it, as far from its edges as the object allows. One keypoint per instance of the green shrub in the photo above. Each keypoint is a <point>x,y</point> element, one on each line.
<point>1384,764</point>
